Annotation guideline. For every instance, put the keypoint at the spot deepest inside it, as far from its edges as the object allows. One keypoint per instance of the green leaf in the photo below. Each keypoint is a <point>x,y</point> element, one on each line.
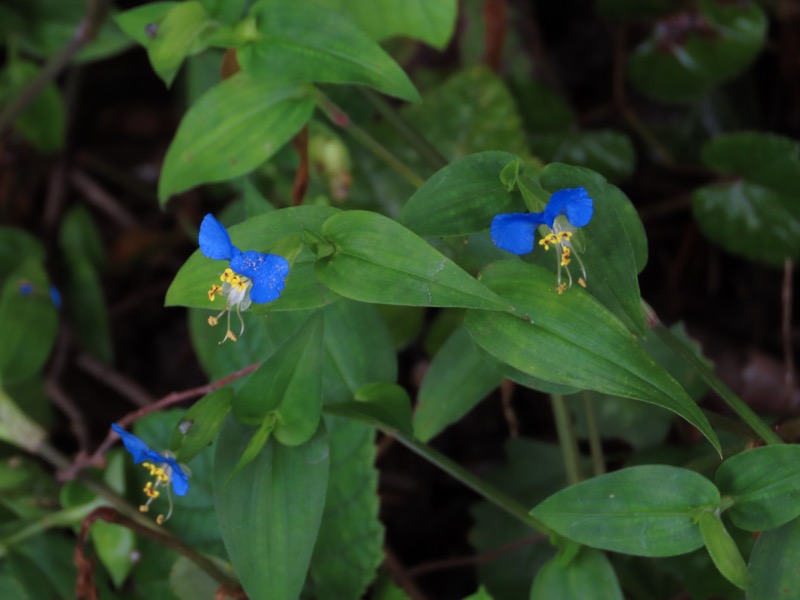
<point>349,550</point>
<point>430,21</point>
<point>305,42</point>
<point>379,260</point>
<point>270,512</point>
<point>16,427</point>
<point>764,484</point>
<point>42,122</point>
<point>773,563</point>
<point>692,51</point>
<point>287,387</point>
<point>115,545</point>
<point>614,240</point>
<point>237,125</point>
<point>588,575</point>
<point>16,246</point>
<point>723,549</point>
<point>645,511</point>
<point>189,582</point>
<point>480,594</point>
<point>463,197</point>
<point>571,339</point>
<point>134,22</point>
<point>379,403</point>
<point>260,233</point>
<point>200,425</point>
<point>459,377</point>
<point>757,215</point>
<point>178,33</point>
<point>606,151</point>
<point>83,252</point>
<point>30,322</point>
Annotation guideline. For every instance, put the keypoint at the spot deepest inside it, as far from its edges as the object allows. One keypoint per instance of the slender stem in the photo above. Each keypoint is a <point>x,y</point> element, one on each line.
<point>411,134</point>
<point>595,445</point>
<point>567,439</point>
<point>339,118</point>
<point>85,32</point>
<point>736,404</point>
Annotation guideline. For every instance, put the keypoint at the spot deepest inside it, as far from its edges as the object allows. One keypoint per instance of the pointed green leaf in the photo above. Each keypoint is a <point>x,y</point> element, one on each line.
<point>764,484</point>
<point>463,197</point>
<point>383,404</point>
<point>237,125</point>
<point>680,62</point>
<point>773,564</point>
<point>379,260</point>
<point>30,322</point>
<point>756,215</point>
<point>572,339</point>
<point>304,42</point>
<point>260,233</point>
<point>430,21</point>
<point>588,575</point>
<point>177,34</point>
<point>608,152</point>
<point>201,424</point>
<point>459,377</point>
<point>646,511</point>
<point>287,387</point>
<point>723,550</point>
<point>270,513</point>
<point>134,22</point>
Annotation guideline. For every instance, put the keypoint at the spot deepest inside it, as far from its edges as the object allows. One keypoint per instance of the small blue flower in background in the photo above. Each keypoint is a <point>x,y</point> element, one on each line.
<point>566,211</point>
<point>164,469</point>
<point>26,288</point>
<point>250,277</point>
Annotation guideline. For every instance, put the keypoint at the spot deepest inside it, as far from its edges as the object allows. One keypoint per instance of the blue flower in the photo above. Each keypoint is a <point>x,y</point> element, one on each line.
<point>164,469</point>
<point>250,277</point>
<point>565,212</point>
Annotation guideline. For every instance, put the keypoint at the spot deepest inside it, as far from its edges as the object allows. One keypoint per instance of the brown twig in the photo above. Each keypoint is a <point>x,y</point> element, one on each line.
<point>476,559</point>
<point>96,459</point>
<point>401,575</point>
<point>98,197</point>
<point>84,33</point>
<point>115,380</point>
<point>510,415</point>
<point>85,588</point>
<point>495,13</point>
<point>60,399</point>
<point>300,183</point>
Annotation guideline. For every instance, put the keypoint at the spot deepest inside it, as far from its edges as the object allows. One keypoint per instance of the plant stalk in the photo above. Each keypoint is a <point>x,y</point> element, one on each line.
<point>567,439</point>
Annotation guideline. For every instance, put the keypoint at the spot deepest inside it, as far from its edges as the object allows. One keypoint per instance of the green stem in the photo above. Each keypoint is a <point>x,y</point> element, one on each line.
<point>736,404</point>
<point>567,439</point>
<point>415,139</point>
<point>340,118</point>
<point>67,517</point>
<point>595,445</point>
<point>60,462</point>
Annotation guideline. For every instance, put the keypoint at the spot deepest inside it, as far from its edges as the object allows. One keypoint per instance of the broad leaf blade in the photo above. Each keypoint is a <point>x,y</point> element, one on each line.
<point>378,260</point>
<point>723,550</point>
<point>270,513</point>
<point>773,563</point>
<point>303,42</point>
<point>571,339</point>
<point>463,197</point>
<point>645,511</point>
<point>233,128</point>
<point>588,575</point>
<point>764,484</point>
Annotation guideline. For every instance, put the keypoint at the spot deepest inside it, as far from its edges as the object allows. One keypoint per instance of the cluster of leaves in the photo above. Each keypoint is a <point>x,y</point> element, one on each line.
<point>283,476</point>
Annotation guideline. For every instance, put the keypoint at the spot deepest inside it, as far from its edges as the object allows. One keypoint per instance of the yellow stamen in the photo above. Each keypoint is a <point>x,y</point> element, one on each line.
<point>144,508</point>
<point>565,256</point>
<point>213,321</point>
<point>561,287</point>
<point>160,519</point>
<point>212,293</point>
<point>582,282</point>
<point>550,238</point>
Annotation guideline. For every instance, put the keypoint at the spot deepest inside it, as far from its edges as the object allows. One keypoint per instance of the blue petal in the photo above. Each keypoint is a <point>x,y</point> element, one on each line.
<point>268,285</point>
<point>574,203</point>
<point>179,479</point>
<point>214,240</point>
<point>514,231</point>
<point>136,447</point>
<point>55,296</point>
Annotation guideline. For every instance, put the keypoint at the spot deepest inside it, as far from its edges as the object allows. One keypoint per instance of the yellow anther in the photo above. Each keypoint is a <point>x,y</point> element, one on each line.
<point>550,238</point>
<point>582,282</point>
<point>229,335</point>
<point>160,519</point>
<point>150,492</point>
<point>565,257</point>
<point>213,321</point>
<point>561,287</point>
<point>212,293</point>
<point>144,508</point>
<point>564,235</point>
